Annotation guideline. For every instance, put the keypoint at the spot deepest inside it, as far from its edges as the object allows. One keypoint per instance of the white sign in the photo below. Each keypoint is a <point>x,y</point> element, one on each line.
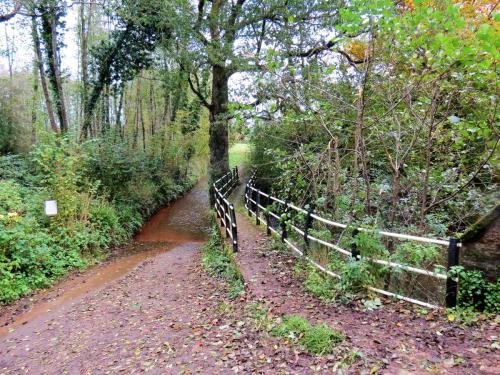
<point>51,208</point>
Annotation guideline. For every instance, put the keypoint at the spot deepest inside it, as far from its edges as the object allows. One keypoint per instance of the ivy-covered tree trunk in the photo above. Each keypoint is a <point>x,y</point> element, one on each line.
<point>118,122</point>
<point>43,80</point>
<point>51,13</point>
<point>219,141</point>
<point>85,22</point>
<point>56,72</point>
<point>35,103</point>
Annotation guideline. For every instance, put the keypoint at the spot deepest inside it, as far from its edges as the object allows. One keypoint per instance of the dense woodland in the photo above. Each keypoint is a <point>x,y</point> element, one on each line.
<point>379,113</point>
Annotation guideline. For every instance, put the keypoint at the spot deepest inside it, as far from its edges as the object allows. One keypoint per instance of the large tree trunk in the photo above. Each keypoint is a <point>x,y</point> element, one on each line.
<point>49,37</point>
<point>219,141</point>
<point>395,193</point>
<point>35,103</point>
<point>61,107</point>
<point>105,118</point>
<point>360,161</point>
<point>143,128</point>
<point>152,109</point>
<point>43,81</point>
<point>138,113</point>
<point>84,35</point>
<point>118,124</point>
<point>333,182</point>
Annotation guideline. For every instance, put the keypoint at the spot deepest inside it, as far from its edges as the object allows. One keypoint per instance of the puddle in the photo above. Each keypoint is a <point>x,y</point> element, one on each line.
<point>183,221</point>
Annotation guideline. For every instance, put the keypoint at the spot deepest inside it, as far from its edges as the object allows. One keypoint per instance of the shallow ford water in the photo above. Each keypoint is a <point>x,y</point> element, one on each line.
<point>183,221</point>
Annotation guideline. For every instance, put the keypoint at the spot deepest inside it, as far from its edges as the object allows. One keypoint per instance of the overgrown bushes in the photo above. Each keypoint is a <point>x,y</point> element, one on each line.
<point>404,139</point>
<point>356,278</point>
<point>7,130</point>
<point>103,191</point>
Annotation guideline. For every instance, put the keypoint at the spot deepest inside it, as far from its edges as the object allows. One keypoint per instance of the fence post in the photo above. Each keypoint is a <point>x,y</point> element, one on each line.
<point>451,283</point>
<point>253,196</point>
<point>247,198</point>
<point>283,222</point>
<point>234,228</point>
<point>257,199</point>
<point>216,206</point>
<point>219,208</point>
<point>228,221</point>
<point>306,229</point>
<point>268,222</point>
<point>223,212</point>
<point>354,247</point>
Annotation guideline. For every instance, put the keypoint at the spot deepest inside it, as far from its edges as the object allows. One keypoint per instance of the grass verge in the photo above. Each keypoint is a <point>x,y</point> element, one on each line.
<point>238,153</point>
<point>219,261</point>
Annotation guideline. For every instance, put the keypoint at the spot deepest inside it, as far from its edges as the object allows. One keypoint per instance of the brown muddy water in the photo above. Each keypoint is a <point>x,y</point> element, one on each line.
<point>184,221</point>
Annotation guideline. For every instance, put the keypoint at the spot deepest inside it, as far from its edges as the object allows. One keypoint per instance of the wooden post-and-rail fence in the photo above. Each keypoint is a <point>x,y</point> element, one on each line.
<point>224,210</point>
<point>254,196</point>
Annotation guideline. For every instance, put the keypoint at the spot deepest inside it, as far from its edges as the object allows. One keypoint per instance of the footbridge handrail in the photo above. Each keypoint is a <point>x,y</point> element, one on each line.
<point>224,210</point>
<point>253,203</point>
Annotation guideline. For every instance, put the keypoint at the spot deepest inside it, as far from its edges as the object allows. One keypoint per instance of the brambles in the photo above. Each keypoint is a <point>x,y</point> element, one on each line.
<point>416,254</point>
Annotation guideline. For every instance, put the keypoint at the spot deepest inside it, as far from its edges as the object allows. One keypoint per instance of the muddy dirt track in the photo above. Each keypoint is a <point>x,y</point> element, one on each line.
<point>156,311</point>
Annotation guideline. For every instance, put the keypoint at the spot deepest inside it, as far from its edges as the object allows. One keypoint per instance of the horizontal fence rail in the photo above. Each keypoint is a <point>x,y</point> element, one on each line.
<point>224,210</point>
<point>253,204</point>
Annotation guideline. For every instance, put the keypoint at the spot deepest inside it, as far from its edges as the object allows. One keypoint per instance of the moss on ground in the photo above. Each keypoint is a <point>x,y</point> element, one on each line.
<point>315,338</point>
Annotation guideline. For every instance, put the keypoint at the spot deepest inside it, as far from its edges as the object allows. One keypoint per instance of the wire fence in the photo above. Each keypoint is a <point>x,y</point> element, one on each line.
<point>300,229</point>
<point>224,210</point>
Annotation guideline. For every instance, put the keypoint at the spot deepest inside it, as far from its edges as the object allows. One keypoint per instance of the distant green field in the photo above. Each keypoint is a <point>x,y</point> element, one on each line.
<point>238,153</point>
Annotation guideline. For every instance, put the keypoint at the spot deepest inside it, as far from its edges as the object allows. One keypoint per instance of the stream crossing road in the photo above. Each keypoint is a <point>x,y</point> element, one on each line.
<point>157,311</point>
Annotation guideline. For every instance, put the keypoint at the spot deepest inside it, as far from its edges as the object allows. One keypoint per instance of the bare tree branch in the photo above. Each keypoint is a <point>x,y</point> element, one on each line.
<point>7,16</point>
<point>198,93</point>
<point>352,61</point>
<point>315,50</point>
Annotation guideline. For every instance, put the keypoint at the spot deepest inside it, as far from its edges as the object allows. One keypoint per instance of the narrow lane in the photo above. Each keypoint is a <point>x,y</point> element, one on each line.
<point>185,220</point>
<point>121,300</point>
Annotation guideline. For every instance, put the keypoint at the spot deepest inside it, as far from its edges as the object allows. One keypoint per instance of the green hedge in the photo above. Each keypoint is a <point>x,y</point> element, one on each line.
<point>104,193</point>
